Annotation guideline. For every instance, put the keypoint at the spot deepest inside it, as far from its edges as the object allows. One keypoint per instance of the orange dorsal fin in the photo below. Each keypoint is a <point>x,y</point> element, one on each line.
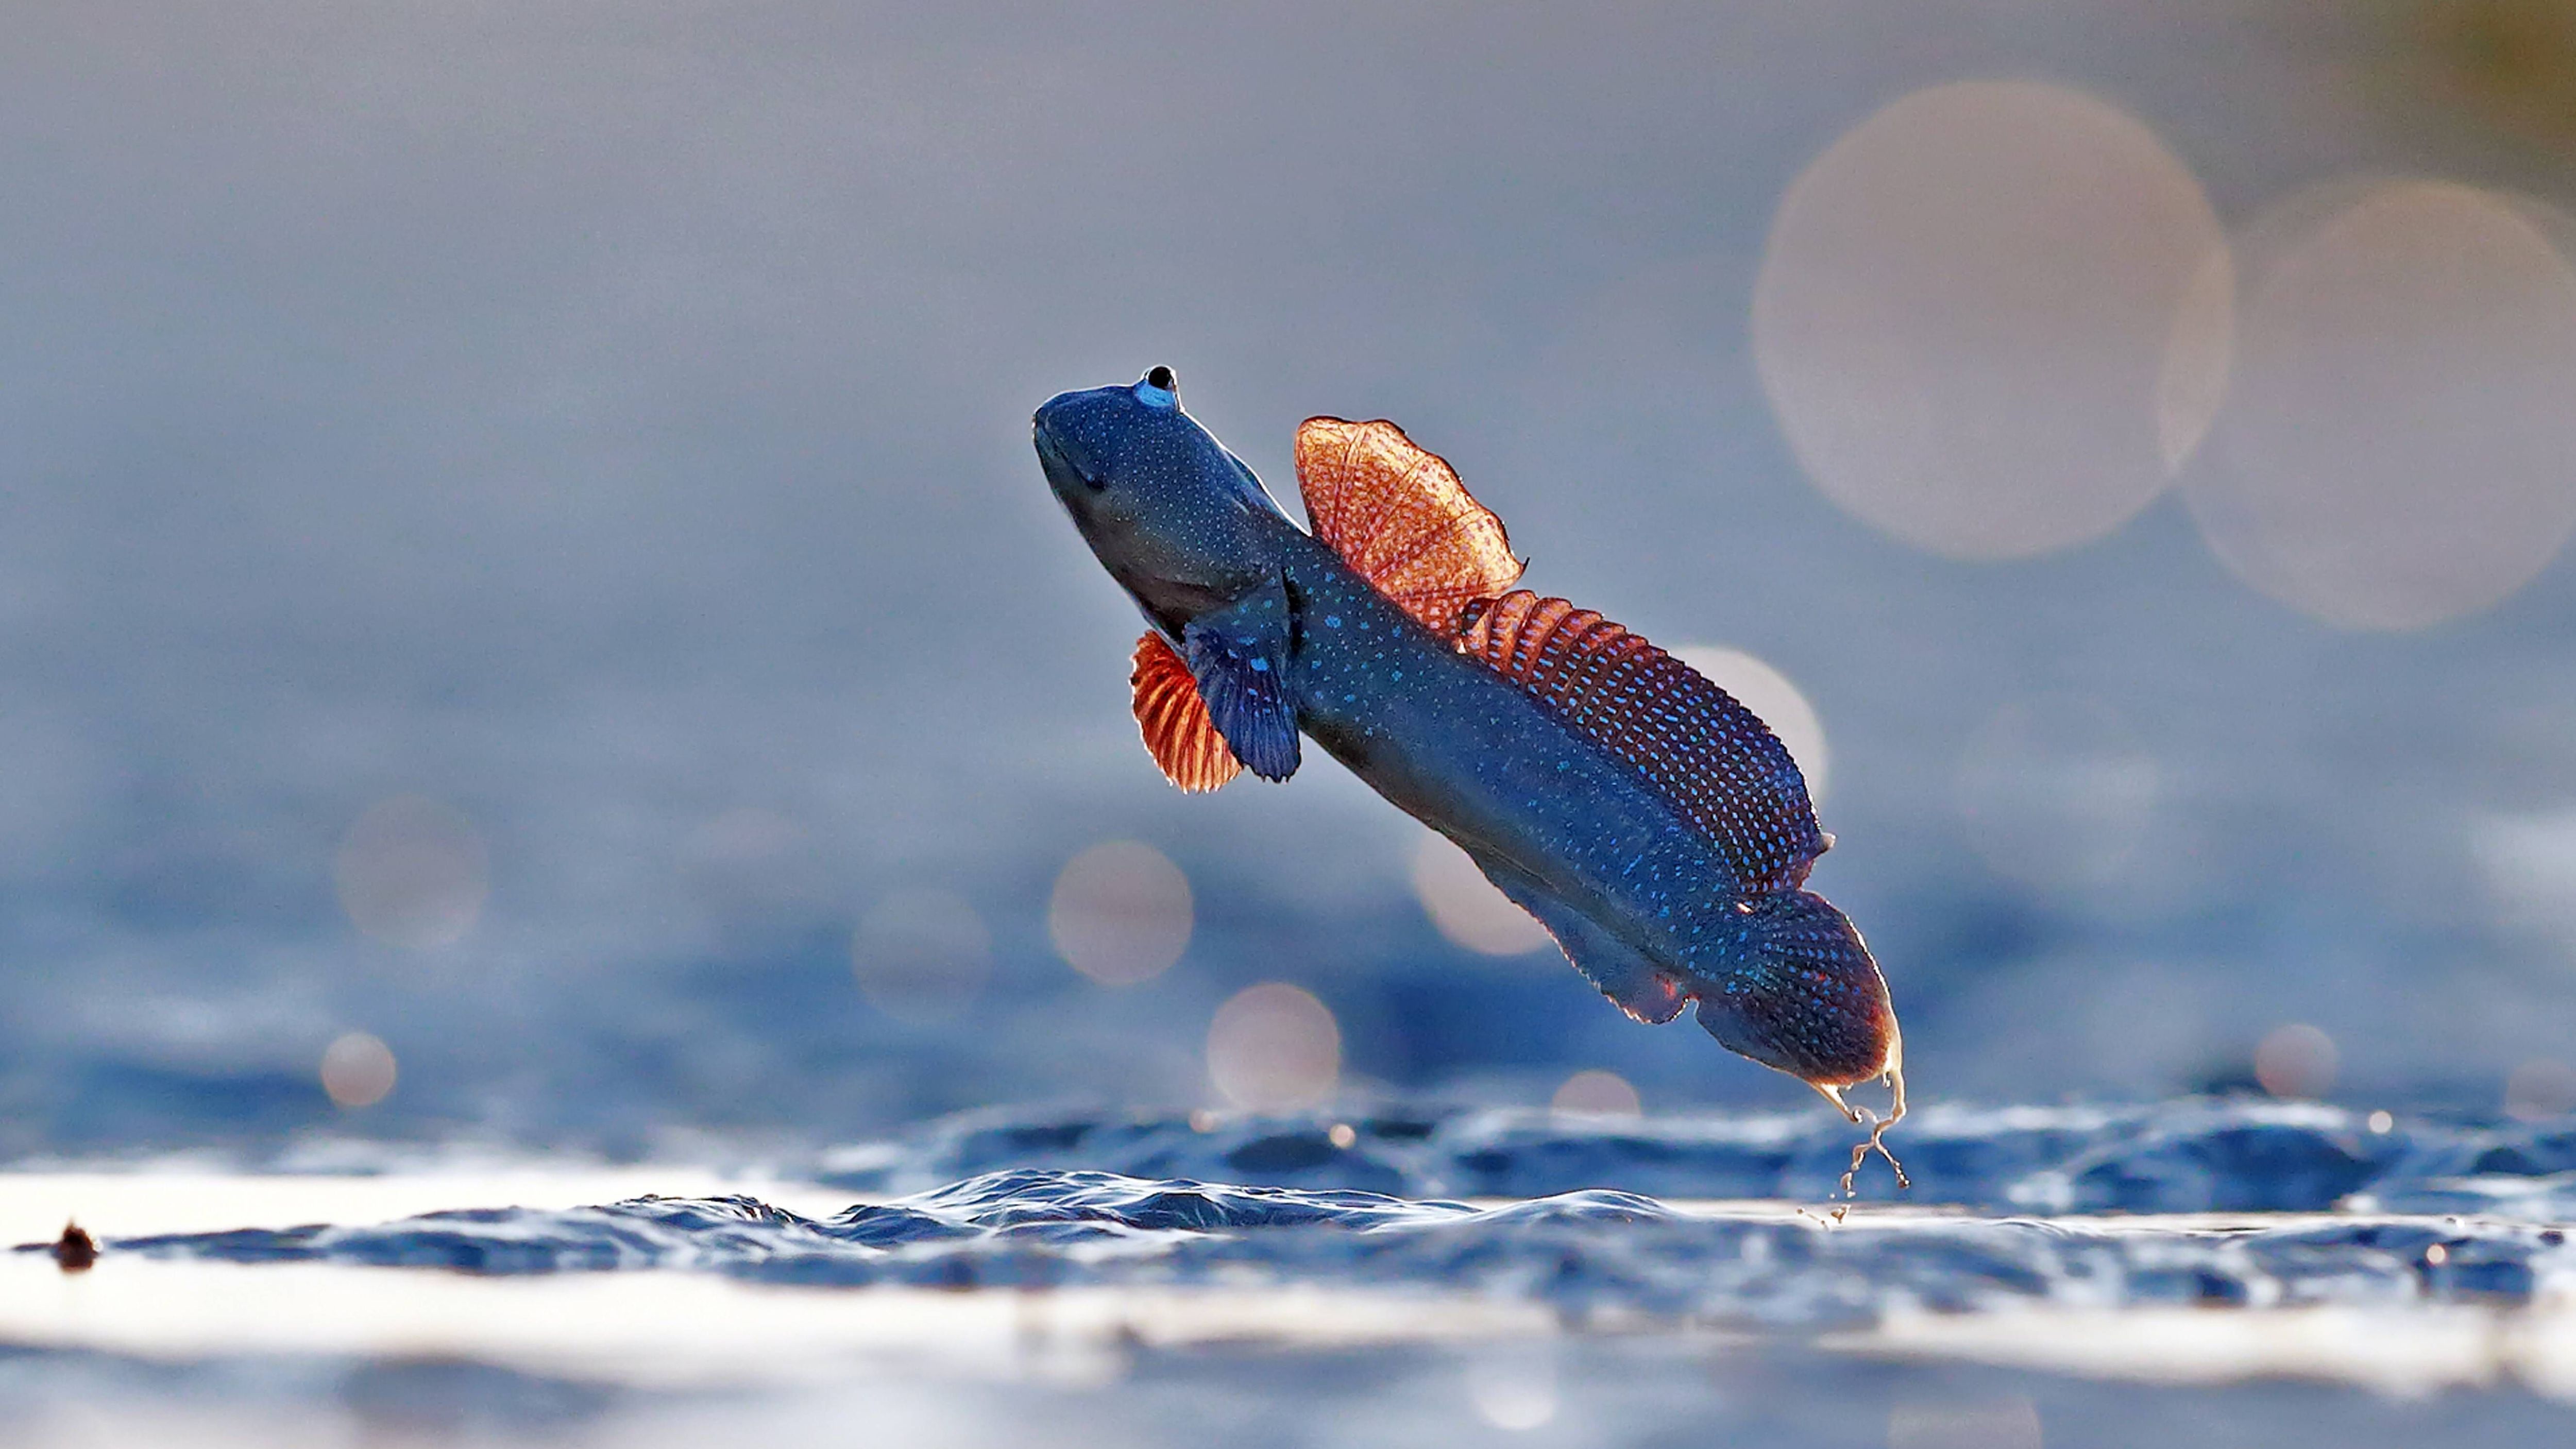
<point>1397,513</point>
<point>1174,720</point>
<point>1710,756</point>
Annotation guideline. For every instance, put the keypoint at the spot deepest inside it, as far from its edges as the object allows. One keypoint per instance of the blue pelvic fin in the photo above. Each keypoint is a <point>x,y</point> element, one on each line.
<point>1686,738</point>
<point>1239,656</point>
<point>1630,981</point>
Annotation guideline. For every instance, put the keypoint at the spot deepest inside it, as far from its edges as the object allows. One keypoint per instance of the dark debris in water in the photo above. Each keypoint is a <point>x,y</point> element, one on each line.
<point>75,1250</point>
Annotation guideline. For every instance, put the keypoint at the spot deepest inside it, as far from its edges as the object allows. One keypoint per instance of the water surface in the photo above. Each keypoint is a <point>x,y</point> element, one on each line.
<point>1595,1280</point>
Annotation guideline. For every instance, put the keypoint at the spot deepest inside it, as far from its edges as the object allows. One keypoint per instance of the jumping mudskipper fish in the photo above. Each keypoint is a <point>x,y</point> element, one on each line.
<point>1654,826</point>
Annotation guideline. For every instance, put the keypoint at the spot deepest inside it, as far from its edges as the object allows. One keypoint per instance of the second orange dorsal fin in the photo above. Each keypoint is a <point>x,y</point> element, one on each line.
<point>1174,720</point>
<point>1694,744</point>
<point>1397,514</point>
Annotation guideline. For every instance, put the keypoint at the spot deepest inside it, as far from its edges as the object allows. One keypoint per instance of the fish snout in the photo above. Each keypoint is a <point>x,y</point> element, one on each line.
<point>1069,468</point>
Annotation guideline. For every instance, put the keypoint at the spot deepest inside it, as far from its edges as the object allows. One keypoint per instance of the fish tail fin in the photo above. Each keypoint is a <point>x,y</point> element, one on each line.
<point>1796,989</point>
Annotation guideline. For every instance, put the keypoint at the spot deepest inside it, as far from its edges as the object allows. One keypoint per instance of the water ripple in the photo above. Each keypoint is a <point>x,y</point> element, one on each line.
<point>2196,1155</point>
<point>2191,1203</point>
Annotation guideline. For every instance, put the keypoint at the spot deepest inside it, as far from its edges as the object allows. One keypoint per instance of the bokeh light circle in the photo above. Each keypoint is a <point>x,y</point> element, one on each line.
<point>1513,1386</point>
<point>2296,1061</point>
<point>2057,792</point>
<point>357,1070</point>
<point>1120,913</point>
<point>1971,312</point>
<point>2007,1423</point>
<point>1465,907</point>
<point>1597,1094</point>
<point>1774,699</point>
<point>749,834</point>
<point>2540,1089</point>
<point>412,872</point>
<point>1274,1047</point>
<point>922,955</point>
<point>2395,448</point>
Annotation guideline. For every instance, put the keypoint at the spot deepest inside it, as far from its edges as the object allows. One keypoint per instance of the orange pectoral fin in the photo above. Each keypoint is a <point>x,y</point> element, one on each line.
<point>1398,515</point>
<point>1174,720</point>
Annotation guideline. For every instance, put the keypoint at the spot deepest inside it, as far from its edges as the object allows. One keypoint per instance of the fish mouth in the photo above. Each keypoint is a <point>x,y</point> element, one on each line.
<point>1062,470</point>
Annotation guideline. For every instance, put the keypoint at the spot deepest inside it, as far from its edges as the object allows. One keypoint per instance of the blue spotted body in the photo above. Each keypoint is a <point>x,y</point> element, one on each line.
<point>1640,880</point>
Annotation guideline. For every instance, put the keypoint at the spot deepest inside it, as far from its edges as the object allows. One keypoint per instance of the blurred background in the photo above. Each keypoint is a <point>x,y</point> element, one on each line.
<point>527,614</point>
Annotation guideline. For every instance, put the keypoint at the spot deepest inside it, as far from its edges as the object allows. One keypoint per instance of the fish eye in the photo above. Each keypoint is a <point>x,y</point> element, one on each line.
<point>1159,388</point>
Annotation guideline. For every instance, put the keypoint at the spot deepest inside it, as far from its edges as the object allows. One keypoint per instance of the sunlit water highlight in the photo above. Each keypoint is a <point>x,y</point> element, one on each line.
<point>1506,1268</point>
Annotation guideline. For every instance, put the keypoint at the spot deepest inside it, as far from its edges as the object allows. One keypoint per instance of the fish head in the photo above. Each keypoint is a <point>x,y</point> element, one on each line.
<point>1180,522</point>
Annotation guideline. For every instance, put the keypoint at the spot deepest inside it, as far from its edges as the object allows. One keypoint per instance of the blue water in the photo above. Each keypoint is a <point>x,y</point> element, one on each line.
<point>1576,1251</point>
<point>610,422</point>
<point>682,535</point>
<point>1703,1278</point>
<point>1599,1216</point>
<point>2191,1155</point>
<point>1630,1391</point>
